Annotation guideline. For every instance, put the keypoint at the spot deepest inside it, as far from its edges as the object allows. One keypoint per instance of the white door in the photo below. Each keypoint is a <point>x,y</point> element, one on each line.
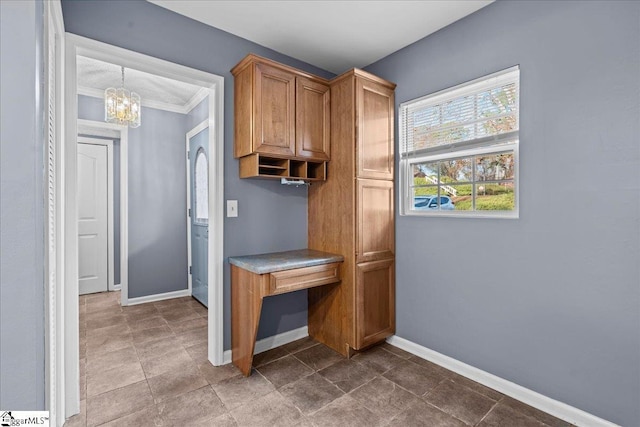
<point>92,219</point>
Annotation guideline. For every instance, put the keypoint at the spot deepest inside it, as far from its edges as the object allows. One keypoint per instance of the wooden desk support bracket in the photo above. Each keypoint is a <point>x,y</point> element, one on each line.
<point>247,291</point>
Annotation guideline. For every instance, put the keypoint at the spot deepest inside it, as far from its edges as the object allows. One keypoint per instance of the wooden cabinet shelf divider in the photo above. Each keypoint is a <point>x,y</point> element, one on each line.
<point>261,166</point>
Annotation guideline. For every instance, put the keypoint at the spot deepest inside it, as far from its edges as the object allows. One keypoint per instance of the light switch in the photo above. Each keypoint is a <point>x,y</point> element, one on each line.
<point>232,208</point>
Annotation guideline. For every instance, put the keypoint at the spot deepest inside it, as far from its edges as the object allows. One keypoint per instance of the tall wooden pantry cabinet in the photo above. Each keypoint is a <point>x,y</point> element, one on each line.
<point>352,214</point>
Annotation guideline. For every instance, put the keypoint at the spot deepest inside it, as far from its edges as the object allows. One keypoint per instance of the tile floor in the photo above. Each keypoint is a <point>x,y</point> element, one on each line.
<point>146,365</point>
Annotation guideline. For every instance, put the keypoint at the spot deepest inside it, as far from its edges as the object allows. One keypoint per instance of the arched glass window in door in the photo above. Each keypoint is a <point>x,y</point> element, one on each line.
<point>202,187</point>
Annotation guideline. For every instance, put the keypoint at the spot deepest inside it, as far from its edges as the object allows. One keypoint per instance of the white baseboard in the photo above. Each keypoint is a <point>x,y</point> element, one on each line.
<point>557,409</point>
<point>273,342</point>
<point>159,297</point>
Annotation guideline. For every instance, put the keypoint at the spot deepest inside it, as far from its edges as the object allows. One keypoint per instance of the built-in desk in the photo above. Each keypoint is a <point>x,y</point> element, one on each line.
<point>254,277</point>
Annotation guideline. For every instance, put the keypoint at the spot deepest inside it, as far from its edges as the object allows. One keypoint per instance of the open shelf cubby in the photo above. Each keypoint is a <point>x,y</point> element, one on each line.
<point>261,166</point>
<point>298,169</point>
<point>317,170</point>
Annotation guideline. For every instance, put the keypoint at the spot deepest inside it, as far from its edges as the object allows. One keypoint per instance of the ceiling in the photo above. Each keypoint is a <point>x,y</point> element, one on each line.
<point>95,76</point>
<point>332,35</point>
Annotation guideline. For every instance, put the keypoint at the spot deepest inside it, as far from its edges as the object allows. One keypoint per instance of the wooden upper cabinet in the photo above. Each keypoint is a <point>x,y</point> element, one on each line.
<point>274,109</point>
<point>374,118</point>
<point>375,220</point>
<point>313,119</point>
<point>280,111</point>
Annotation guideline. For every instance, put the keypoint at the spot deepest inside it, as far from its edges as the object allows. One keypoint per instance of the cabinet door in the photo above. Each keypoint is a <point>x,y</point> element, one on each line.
<point>274,111</point>
<point>375,302</point>
<point>312,119</point>
<point>375,220</point>
<point>374,116</point>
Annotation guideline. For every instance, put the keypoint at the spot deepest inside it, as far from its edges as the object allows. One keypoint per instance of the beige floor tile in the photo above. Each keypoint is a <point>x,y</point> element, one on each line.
<point>178,327</point>
<point>216,374</point>
<point>179,314</point>
<point>311,393</point>
<point>107,330</point>
<point>284,371</point>
<point>459,401</point>
<point>108,318</point>
<point>148,308</point>
<point>146,365</point>
<point>193,407</point>
<point>147,417</point>
<point>421,414</point>
<point>478,388</point>
<point>344,411</point>
<point>102,344</point>
<point>378,359</point>
<point>192,336</point>
<point>150,322</point>
<point>111,359</point>
<point>174,361</point>
<point>157,333</point>
<point>383,397</point>
<point>269,410</point>
<point>240,390</point>
<point>155,348</point>
<point>225,420</point>
<point>505,416</point>
<point>543,417</point>
<point>318,357</point>
<point>111,379</point>
<point>347,374</point>
<point>436,369</point>
<point>118,403</point>
<point>199,352</point>
<point>396,351</point>
<point>299,345</point>
<point>269,356</point>
<point>174,383</point>
<point>415,378</point>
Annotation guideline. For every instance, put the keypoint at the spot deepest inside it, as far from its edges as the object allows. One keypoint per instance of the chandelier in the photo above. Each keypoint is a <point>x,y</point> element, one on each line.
<point>122,106</point>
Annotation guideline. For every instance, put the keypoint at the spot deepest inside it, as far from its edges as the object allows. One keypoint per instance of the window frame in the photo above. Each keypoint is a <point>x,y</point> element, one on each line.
<point>406,176</point>
<point>196,219</point>
<point>505,142</point>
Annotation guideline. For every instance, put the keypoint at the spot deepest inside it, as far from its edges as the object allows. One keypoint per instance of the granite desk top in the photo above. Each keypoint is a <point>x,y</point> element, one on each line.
<point>288,260</point>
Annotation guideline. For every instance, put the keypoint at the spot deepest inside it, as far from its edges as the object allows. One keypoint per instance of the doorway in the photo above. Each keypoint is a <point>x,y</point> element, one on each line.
<point>198,211</point>
<point>214,86</point>
<point>95,215</point>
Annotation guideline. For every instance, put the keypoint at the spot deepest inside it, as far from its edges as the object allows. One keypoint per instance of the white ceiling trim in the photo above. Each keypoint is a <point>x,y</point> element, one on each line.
<point>151,103</point>
<point>196,99</point>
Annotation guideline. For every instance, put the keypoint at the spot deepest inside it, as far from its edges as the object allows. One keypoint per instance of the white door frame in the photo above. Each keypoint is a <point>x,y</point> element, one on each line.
<point>54,54</point>
<point>111,286</point>
<point>76,45</point>
<point>196,130</point>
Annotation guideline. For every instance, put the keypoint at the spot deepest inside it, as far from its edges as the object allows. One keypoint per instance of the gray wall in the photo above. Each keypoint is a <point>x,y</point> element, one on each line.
<point>199,113</point>
<point>157,199</point>
<point>553,304</point>
<point>21,206</point>
<point>271,216</point>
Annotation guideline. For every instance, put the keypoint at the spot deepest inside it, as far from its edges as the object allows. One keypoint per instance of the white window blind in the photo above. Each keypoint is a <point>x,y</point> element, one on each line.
<point>478,112</point>
<point>459,149</point>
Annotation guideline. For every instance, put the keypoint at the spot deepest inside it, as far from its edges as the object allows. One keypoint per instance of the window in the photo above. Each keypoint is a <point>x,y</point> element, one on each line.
<point>202,188</point>
<point>459,149</point>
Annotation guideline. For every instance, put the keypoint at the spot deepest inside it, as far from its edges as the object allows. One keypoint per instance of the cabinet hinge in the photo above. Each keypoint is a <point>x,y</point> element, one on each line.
<point>190,270</point>
<point>189,212</point>
<point>188,155</point>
